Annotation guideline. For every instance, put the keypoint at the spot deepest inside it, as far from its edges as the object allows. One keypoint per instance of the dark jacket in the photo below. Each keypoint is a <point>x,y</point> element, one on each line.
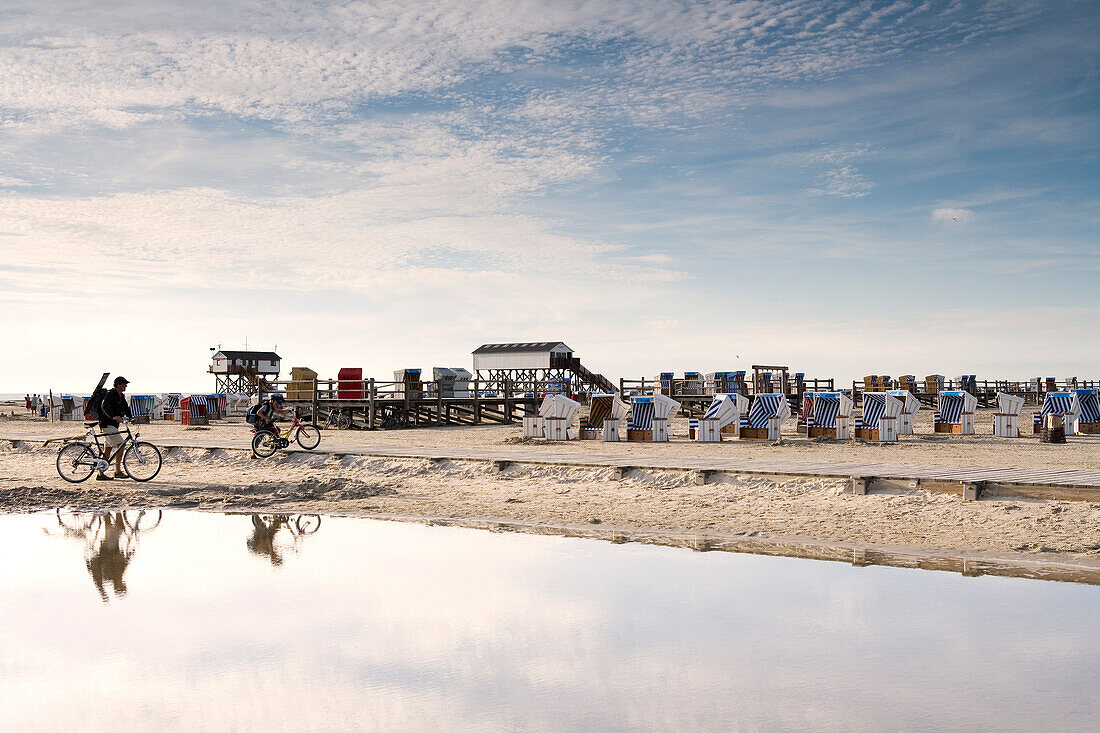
<point>114,405</point>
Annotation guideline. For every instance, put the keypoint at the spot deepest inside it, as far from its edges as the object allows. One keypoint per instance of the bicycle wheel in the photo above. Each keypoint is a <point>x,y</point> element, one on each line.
<point>309,437</point>
<point>141,461</point>
<point>343,421</point>
<point>263,445</point>
<point>307,523</point>
<point>76,462</point>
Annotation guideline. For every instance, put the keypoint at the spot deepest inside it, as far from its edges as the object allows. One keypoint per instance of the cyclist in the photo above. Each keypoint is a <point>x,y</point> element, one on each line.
<point>266,413</point>
<point>111,413</point>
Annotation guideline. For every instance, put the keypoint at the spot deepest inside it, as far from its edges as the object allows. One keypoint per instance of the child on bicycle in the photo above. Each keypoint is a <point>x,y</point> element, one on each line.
<point>266,414</point>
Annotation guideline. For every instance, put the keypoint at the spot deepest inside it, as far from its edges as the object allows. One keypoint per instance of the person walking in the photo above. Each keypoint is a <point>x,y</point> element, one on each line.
<point>111,413</point>
<point>27,400</point>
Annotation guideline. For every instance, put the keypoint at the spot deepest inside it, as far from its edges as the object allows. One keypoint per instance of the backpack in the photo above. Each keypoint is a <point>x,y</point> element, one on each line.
<point>250,418</point>
<point>95,405</point>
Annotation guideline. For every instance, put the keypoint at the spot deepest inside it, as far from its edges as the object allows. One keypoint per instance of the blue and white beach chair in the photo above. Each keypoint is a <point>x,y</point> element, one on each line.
<point>1089,420</point>
<point>830,415</point>
<point>910,406</point>
<point>766,417</point>
<point>722,416</point>
<point>955,413</point>
<point>879,422</point>
<point>141,407</point>
<point>649,418</point>
<point>1006,421</point>
<point>1066,404</point>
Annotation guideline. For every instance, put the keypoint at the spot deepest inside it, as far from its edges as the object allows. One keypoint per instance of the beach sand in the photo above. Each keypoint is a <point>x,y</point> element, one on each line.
<point>646,501</point>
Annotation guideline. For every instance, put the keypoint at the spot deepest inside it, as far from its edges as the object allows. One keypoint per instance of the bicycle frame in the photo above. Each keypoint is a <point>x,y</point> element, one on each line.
<point>101,462</point>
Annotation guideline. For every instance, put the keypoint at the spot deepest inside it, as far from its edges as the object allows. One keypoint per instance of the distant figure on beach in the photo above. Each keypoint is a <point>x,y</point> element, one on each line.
<point>27,399</point>
<point>34,405</point>
<point>113,409</point>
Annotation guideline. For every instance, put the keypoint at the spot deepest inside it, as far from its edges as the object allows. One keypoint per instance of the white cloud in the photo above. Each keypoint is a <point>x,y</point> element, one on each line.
<point>952,216</point>
<point>844,182</point>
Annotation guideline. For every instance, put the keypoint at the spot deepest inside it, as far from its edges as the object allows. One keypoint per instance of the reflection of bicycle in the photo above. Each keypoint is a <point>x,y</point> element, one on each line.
<point>79,459</point>
<point>338,418</point>
<point>267,528</point>
<point>266,442</point>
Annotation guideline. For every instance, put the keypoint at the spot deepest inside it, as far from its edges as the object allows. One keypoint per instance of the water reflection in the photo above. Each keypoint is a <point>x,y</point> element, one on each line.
<point>269,529</point>
<point>110,541</point>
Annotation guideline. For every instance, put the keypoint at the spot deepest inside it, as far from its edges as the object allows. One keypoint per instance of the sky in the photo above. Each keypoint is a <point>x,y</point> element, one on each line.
<point>847,188</point>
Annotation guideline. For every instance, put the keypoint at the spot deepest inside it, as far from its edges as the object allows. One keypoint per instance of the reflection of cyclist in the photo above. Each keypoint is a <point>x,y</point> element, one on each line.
<point>109,560</point>
<point>262,541</point>
<point>111,412</point>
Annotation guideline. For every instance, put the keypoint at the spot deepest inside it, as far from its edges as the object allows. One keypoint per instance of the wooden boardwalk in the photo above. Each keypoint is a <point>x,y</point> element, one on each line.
<point>971,481</point>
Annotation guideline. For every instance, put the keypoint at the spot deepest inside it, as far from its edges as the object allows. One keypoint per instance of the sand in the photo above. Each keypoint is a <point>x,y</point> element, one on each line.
<point>644,501</point>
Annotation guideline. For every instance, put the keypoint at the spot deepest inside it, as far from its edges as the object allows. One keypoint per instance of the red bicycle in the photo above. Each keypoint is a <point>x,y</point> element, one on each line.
<point>266,442</point>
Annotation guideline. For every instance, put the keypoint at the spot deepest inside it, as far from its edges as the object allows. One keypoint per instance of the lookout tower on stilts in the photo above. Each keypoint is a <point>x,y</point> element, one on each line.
<point>244,372</point>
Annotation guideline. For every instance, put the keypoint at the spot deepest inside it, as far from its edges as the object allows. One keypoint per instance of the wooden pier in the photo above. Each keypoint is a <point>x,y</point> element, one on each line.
<point>391,405</point>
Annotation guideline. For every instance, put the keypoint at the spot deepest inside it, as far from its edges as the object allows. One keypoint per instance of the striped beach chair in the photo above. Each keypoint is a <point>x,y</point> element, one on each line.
<point>766,417</point>
<point>170,408</point>
<point>955,412</point>
<point>1066,404</point>
<point>1006,421</point>
<point>879,422</point>
<point>649,417</point>
<point>722,416</point>
<point>910,406</point>
<point>606,413</point>
<point>141,407</point>
<point>1089,420</point>
<point>829,415</point>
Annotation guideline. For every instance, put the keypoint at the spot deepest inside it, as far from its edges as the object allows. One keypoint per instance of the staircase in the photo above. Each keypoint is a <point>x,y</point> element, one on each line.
<point>596,382</point>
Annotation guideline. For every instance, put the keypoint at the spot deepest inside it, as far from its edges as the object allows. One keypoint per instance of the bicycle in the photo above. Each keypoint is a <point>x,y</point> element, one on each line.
<point>77,460</point>
<point>338,418</point>
<point>265,442</point>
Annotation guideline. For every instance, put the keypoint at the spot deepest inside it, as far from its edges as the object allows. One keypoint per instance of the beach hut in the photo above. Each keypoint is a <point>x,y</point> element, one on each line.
<point>1066,404</point>
<point>193,410</point>
<point>605,417</point>
<point>910,406</point>
<point>1089,421</point>
<point>452,381</point>
<point>722,416</point>
<point>559,421</point>
<point>1006,421</point>
<point>649,418</point>
<point>879,422</point>
<point>830,415</point>
<point>766,417</point>
<point>955,412</point>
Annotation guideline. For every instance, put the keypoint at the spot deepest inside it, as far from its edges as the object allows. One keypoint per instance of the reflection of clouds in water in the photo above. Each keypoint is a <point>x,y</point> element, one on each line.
<point>390,625</point>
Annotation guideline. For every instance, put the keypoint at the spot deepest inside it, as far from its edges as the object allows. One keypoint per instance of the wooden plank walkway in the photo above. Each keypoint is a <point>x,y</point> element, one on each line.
<point>1047,483</point>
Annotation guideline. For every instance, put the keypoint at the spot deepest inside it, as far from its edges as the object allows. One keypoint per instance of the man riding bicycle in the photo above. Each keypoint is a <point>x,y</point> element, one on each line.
<point>111,413</point>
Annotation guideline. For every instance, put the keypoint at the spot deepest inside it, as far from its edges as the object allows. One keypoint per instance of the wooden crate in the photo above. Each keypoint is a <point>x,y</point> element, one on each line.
<point>640,435</point>
<point>1088,428</point>
<point>754,434</point>
<point>949,427</point>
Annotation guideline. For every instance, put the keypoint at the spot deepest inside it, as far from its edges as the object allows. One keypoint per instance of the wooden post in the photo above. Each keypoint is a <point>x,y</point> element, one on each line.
<point>51,405</point>
<point>370,407</point>
<point>313,402</point>
<point>477,403</point>
<point>439,403</point>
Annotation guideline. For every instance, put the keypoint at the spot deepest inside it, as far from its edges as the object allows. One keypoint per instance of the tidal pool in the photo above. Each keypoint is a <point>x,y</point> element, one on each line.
<point>195,621</point>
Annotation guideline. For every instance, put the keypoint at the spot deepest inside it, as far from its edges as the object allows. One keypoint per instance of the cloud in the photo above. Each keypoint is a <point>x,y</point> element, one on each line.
<point>952,216</point>
<point>845,182</point>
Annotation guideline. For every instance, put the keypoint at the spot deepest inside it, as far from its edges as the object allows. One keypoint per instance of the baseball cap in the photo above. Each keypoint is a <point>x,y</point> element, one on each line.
<point>121,380</point>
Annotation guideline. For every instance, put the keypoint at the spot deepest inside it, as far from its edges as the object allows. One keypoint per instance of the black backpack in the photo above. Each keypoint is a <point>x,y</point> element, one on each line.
<point>250,418</point>
<point>95,405</point>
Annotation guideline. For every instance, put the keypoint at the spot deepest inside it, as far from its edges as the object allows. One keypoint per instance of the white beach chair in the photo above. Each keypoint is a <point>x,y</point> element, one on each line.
<point>910,406</point>
<point>606,413</point>
<point>649,418</point>
<point>722,416</point>
<point>1006,421</point>
<point>559,422</point>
